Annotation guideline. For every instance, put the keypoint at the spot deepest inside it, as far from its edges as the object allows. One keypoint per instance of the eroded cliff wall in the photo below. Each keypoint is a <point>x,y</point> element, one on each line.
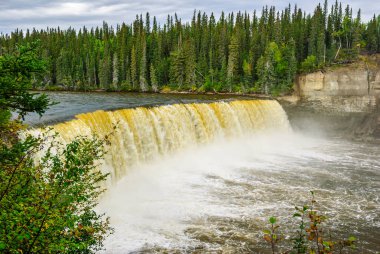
<point>341,99</point>
<point>350,88</point>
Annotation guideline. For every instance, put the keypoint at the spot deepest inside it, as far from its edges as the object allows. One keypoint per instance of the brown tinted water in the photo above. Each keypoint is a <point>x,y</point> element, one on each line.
<point>217,197</point>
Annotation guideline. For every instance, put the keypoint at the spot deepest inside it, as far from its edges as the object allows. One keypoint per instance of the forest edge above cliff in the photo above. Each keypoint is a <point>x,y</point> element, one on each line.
<point>360,78</point>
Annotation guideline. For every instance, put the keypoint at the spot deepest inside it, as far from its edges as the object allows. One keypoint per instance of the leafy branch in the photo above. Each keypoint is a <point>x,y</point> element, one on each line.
<point>309,236</point>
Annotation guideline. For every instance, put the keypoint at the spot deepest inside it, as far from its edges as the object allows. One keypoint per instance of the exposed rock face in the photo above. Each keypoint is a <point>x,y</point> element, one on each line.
<point>351,88</point>
<point>342,99</point>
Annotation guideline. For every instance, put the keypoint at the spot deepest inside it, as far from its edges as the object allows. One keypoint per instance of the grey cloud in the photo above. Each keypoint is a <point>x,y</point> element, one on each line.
<point>76,13</point>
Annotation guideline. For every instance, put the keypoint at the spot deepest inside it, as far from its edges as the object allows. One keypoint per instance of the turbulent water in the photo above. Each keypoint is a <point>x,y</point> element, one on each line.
<point>218,198</point>
<point>139,135</point>
<point>204,178</point>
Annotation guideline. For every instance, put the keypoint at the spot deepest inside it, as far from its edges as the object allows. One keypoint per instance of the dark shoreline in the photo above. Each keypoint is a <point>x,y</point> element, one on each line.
<point>261,96</point>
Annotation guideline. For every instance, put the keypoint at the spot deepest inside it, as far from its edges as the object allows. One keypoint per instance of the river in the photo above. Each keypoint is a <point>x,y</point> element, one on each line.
<point>216,197</point>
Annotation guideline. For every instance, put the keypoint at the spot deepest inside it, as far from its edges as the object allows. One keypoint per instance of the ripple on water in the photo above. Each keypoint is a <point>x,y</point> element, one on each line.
<point>217,198</point>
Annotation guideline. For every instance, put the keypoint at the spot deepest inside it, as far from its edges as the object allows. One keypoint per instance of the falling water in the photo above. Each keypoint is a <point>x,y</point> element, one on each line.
<point>139,135</point>
<point>205,177</point>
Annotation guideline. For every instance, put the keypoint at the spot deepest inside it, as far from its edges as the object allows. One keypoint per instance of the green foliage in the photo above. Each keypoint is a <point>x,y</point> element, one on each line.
<point>300,241</point>
<point>277,68</point>
<point>183,67</point>
<point>270,235</point>
<point>48,206</point>
<point>233,61</point>
<point>48,190</point>
<point>16,71</point>
<point>266,70</point>
<point>153,79</point>
<point>310,235</point>
<point>228,53</point>
<point>309,64</point>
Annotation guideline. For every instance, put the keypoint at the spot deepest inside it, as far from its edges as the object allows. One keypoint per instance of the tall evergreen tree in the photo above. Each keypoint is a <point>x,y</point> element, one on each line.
<point>232,63</point>
<point>207,52</point>
<point>134,70</point>
<point>115,74</point>
<point>267,65</point>
<point>143,67</point>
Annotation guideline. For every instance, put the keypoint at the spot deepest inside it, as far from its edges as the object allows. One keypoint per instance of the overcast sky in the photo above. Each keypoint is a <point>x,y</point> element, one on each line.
<point>76,13</point>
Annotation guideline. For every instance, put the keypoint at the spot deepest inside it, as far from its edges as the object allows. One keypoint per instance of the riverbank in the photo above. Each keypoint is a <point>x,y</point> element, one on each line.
<point>349,87</point>
<point>171,92</point>
<point>345,98</point>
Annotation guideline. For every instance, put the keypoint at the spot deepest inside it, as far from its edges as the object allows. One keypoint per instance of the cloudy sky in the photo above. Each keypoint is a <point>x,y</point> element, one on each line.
<point>76,13</point>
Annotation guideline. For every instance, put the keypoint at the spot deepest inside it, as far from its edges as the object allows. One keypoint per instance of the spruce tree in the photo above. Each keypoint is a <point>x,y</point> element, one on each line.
<point>143,67</point>
<point>115,74</point>
<point>153,79</point>
<point>134,70</point>
<point>232,63</point>
<point>222,52</point>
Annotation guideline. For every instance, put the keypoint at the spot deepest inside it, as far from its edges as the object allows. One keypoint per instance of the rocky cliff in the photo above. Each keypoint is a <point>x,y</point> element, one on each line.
<point>350,88</point>
<point>349,96</point>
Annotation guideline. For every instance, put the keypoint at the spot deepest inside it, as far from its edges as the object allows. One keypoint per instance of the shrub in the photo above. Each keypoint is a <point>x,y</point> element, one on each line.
<point>166,89</point>
<point>309,64</point>
<point>46,205</point>
<point>310,235</point>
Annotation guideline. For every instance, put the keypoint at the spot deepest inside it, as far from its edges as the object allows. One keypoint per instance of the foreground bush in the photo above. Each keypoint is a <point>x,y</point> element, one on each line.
<point>46,204</point>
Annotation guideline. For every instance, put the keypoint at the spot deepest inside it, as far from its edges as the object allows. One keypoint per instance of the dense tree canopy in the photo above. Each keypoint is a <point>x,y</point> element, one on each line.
<point>204,54</point>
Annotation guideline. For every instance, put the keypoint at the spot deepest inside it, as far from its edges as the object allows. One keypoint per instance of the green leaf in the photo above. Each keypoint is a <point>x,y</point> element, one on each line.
<point>2,246</point>
<point>352,239</point>
<point>297,215</point>
<point>272,220</point>
<point>267,232</point>
<point>326,244</point>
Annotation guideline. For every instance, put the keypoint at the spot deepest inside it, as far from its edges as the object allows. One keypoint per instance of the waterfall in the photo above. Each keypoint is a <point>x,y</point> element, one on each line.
<point>141,134</point>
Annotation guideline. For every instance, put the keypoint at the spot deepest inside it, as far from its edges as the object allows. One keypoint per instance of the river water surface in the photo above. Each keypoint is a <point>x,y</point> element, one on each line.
<point>217,198</point>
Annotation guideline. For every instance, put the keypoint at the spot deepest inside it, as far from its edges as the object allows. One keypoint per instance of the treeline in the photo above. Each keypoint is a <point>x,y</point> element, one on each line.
<point>237,53</point>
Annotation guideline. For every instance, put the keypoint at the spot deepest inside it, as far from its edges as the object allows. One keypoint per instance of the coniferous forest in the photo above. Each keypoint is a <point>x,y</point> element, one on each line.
<point>236,52</point>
